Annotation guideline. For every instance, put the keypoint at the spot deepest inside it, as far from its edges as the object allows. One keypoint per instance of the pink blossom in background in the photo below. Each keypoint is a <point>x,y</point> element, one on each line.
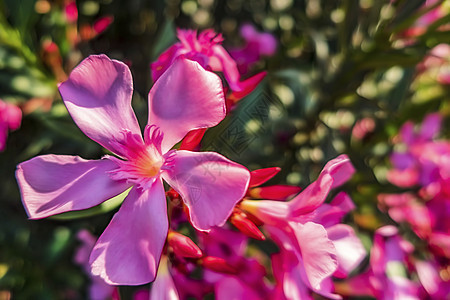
<point>387,277</point>
<point>98,97</point>
<point>421,25</point>
<point>10,119</point>
<point>248,280</point>
<point>98,289</point>
<point>71,11</point>
<point>434,278</point>
<point>425,162</point>
<point>313,245</point>
<point>436,64</point>
<point>256,45</point>
<point>206,49</point>
<point>363,128</point>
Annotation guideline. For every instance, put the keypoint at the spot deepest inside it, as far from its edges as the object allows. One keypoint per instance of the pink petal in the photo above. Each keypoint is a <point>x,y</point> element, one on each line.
<point>229,67</point>
<point>317,251</point>
<point>431,126</point>
<point>128,251</point>
<point>185,97</point>
<point>98,97</point>
<point>233,288</point>
<point>164,61</point>
<point>102,24</point>
<point>349,249</point>
<point>341,169</point>
<point>313,196</point>
<point>53,184</point>
<point>428,276</point>
<point>163,288</point>
<point>209,184</point>
<point>335,173</point>
<point>289,281</point>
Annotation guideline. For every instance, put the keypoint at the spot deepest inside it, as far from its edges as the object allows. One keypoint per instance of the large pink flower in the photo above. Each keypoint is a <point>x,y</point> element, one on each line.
<point>98,97</point>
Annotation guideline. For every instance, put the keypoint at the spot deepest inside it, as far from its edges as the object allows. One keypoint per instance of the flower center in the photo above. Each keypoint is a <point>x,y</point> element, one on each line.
<point>143,158</point>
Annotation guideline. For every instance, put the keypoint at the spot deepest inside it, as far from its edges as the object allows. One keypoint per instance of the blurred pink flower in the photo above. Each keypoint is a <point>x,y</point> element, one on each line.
<point>248,281</point>
<point>313,245</point>
<point>71,11</point>
<point>422,24</point>
<point>363,127</point>
<point>98,96</point>
<point>98,289</point>
<point>257,44</point>
<point>206,49</point>
<point>435,284</point>
<point>424,163</point>
<point>10,119</point>
<point>437,64</point>
<point>386,279</point>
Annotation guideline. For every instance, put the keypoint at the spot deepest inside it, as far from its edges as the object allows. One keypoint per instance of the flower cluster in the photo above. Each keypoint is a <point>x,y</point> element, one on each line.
<point>422,164</point>
<point>146,239</point>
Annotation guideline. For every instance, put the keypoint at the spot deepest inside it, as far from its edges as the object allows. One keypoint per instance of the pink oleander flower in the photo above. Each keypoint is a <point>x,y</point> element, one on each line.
<point>71,11</point>
<point>386,279</point>
<point>419,163</point>
<point>98,97</point>
<point>363,128</point>
<point>436,64</point>
<point>98,289</point>
<point>313,245</point>
<point>424,163</point>
<point>206,49</point>
<point>434,278</point>
<point>421,25</point>
<point>248,280</point>
<point>10,119</point>
<point>257,44</point>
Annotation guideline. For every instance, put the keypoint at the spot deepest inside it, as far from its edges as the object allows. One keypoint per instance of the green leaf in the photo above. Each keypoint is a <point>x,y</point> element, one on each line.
<point>105,207</point>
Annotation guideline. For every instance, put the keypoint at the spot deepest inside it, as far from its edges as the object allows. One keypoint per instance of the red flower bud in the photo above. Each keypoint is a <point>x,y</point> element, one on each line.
<point>273,192</point>
<point>192,139</point>
<point>246,226</point>
<point>217,264</point>
<point>183,246</point>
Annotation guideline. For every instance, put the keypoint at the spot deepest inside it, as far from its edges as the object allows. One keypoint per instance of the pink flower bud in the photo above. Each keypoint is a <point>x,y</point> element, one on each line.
<point>217,264</point>
<point>246,226</point>
<point>183,246</point>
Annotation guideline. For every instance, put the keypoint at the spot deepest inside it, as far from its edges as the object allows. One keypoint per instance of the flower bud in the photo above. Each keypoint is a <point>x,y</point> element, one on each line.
<point>217,264</point>
<point>183,246</point>
<point>246,226</point>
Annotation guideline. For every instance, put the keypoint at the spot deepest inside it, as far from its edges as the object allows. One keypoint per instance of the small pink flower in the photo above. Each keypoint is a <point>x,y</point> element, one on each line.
<point>98,289</point>
<point>98,96</point>
<point>257,44</point>
<point>386,279</point>
<point>71,11</point>
<point>10,119</point>
<point>206,49</point>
